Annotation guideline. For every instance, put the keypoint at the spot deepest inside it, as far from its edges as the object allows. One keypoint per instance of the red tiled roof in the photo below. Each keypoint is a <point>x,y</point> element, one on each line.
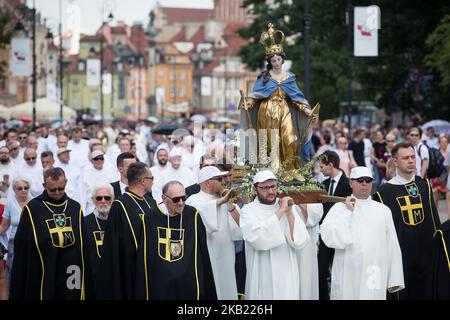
<point>199,36</point>
<point>119,30</point>
<point>173,15</point>
<point>180,36</point>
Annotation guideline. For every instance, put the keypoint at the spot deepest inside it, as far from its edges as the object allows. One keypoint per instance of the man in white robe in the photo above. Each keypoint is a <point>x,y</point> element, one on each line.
<point>75,183</point>
<point>273,232</point>
<point>95,173</point>
<point>307,257</point>
<point>221,220</point>
<point>33,170</point>
<point>367,259</point>
<point>161,166</point>
<point>175,172</point>
<point>80,149</point>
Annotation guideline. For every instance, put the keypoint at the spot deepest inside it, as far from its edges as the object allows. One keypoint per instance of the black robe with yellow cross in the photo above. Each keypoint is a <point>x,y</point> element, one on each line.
<point>173,263</point>
<point>441,275</point>
<point>117,276</point>
<point>95,230</point>
<point>416,219</point>
<point>50,255</point>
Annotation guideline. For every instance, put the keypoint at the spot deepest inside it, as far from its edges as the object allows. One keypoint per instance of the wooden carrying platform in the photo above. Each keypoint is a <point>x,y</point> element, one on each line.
<point>312,196</point>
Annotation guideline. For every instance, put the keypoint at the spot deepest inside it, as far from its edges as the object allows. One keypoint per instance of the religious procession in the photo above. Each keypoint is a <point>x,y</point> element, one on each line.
<point>281,202</point>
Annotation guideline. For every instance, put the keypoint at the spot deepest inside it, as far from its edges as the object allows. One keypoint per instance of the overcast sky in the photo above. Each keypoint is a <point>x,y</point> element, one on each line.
<point>128,10</point>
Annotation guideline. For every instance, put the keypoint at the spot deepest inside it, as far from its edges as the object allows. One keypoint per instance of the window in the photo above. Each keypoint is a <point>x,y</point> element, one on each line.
<point>182,75</point>
<point>172,92</point>
<point>172,75</point>
<point>161,72</point>
<point>181,92</point>
<point>81,66</point>
<point>76,85</point>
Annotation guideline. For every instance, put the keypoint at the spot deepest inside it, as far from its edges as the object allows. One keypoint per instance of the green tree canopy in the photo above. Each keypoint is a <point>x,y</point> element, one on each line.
<point>398,79</point>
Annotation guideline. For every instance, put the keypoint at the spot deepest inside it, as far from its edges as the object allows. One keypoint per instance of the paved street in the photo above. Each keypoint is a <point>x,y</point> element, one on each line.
<point>443,210</point>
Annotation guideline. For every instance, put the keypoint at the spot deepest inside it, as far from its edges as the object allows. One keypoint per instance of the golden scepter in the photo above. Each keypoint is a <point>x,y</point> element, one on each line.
<point>247,113</point>
<point>314,112</point>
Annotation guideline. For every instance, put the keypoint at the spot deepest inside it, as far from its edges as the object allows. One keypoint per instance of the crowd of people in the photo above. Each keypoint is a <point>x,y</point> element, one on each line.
<point>121,213</point>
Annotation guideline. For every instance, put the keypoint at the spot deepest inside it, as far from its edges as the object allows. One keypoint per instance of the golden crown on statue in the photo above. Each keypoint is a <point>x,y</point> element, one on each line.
<point>268,40</point>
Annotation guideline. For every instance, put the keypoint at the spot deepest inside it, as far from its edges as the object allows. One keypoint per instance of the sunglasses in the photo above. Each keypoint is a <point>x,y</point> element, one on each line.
<point>390,140</point>
<point>414,134</point>
<point>100,198</point>
<point>151,178</point>
<point>30,158</point>
<point>14,149</point>
<point>364,179</point>
<point>22,138</point>
<point>177,199</point>
<point>56,189</point>
<point>22,188</point>
<point>99,159</point>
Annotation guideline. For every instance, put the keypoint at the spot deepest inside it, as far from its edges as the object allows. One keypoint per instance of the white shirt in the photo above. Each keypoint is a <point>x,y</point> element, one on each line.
<point>432,142</point>
<point>92,176</point>
<point>221,231</point>
<point>183,175</point>
<point>336,181</point>
<point>421,154</point>
<point>307,257</point>
<point>80,153</point>
<point>270,252</point>
<point>367,259</point>
<point>75,183</point>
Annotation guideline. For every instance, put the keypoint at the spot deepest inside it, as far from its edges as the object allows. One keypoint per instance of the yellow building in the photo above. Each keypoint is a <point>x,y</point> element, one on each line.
<point>173,79</point>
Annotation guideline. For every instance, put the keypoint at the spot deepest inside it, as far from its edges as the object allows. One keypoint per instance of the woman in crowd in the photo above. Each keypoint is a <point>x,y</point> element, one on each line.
<point>11,216</point>
<point>346,162</point>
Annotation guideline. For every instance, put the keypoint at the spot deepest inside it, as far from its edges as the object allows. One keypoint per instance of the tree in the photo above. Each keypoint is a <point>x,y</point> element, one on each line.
<point>398,79</point>
<point>5,38</point>
<point>439,57</point>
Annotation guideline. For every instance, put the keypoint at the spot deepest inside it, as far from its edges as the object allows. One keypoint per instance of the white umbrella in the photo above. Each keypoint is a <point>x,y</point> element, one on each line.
<point>45,110</point>
<point>5,112</point>
<point>199,118</point>
<point>440,126</point>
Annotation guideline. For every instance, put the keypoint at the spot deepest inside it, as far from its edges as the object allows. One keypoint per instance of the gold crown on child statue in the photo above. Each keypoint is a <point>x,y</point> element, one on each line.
<point>270,42</point>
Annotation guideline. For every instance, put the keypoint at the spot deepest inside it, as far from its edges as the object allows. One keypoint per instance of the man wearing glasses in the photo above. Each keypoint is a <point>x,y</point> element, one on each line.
<point>273,232</point>
<point>33,171</point>
<point>124,227</point>
<point>102,197</point>
<point>367,259</point>
<point>221,219</point>
<point>97,172</point>
<point>50,260</point>
<point>422,154</point>
<point>173,260</point>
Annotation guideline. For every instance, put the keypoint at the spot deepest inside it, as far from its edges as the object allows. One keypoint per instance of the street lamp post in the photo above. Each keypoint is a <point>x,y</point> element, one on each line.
<point>349,19</point>
<point>22,13</point>
<point>224,60</point>
<point>107,5</point>
<point>60,62</point>
<point>33,76</point>
<point>307,25</point>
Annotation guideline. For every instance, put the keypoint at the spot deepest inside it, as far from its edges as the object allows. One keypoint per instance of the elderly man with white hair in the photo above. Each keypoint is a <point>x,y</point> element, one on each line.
<point>273,232</point>
<point>367,259</point>
<point>102,198</point>
<point>221,220</point>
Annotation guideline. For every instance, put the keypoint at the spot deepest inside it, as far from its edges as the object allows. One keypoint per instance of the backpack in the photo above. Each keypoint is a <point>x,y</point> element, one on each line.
<point>435,162</point>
